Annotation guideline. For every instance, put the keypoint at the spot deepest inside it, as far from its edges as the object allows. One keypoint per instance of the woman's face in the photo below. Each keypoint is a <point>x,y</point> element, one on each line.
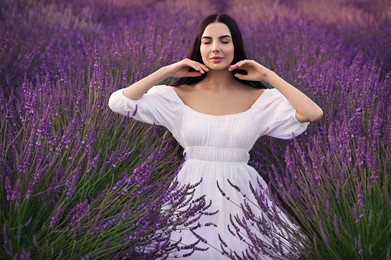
<point>217,49</point>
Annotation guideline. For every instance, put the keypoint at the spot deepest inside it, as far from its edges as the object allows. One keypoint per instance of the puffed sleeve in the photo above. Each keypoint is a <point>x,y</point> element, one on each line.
<point>158,106</point>
<point>276,117</point>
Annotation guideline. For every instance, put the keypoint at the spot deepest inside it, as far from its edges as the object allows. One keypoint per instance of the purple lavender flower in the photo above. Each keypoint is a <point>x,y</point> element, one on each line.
<point>359,245</point>
<point>360,196</point>
<point>77,213</point>
<point>54,219</point>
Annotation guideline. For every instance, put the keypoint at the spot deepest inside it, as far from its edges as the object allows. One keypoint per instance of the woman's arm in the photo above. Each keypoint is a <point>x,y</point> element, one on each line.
<point>306,109</point>
<point>178,69</point>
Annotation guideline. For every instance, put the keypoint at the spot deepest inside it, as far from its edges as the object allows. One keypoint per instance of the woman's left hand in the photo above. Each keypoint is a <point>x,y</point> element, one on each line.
<point>255,71</point>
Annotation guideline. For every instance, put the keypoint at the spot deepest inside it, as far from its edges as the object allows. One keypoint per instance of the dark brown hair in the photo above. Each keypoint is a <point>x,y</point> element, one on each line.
<point>239,52</point>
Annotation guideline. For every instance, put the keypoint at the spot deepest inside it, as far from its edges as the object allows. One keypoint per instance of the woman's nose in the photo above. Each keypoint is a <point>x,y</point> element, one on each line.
<point>215,48</point>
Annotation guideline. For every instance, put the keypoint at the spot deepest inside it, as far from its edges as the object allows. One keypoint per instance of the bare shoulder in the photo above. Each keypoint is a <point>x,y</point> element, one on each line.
<point>183,89</point>
<point>257,91</point>
<point>253,92</point>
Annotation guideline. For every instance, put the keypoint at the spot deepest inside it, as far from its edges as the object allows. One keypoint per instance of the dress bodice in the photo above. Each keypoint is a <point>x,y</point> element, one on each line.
<point>271,114</point>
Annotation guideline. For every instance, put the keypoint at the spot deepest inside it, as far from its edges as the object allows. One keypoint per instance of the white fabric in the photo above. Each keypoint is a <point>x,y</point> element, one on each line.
<point>216,149</point>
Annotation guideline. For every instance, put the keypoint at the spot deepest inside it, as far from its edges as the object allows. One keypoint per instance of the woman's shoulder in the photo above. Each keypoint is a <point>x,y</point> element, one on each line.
<point>254,93</point>
<point>165,93</point>
<point>161,90</point>
<point>183,89</point>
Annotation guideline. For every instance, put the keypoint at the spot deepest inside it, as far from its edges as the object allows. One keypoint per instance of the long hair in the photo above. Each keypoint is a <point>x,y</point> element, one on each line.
<point>239,52</point>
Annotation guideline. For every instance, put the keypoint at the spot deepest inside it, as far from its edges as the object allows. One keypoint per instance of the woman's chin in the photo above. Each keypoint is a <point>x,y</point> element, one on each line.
<point>217,66</point>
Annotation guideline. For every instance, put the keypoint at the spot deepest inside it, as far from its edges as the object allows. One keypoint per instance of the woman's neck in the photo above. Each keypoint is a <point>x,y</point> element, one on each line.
<point>218,80</point>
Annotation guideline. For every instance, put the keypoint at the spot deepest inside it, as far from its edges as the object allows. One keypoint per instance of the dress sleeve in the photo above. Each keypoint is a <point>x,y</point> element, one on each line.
<point>158,106</point>
<point>276,116</point>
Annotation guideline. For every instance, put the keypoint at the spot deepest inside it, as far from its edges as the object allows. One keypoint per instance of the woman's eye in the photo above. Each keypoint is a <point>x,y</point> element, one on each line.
<point>206,42</point>
<point>225,42</point>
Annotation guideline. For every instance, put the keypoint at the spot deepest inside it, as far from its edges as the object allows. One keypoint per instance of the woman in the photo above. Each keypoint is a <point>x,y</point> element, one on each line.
<point>217,111</point>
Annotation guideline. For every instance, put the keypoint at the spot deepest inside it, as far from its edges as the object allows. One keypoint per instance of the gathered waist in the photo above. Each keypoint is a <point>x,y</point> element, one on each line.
<point>216,154</point>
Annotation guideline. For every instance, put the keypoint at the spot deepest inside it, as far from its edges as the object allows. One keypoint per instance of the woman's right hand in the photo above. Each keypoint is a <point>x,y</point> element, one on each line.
<point>181,69</point>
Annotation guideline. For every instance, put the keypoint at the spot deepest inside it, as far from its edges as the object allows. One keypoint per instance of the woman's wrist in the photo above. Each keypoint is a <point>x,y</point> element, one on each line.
<point>269,75</point>
<point>137,89</point>
<point>166,72</point>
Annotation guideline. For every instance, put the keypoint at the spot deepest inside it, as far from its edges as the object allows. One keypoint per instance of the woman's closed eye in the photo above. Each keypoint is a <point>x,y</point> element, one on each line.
<point>223,42</point>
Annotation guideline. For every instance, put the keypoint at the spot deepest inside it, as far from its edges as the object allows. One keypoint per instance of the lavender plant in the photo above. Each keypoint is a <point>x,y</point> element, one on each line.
<point>79,181</point>
<point>337,182</point>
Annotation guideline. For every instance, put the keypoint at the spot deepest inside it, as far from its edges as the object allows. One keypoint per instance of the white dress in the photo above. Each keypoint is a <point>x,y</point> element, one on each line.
<point>216,149</point>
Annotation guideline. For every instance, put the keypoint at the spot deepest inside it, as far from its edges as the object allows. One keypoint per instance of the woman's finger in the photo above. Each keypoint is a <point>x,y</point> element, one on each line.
<point>240,76</point>
<point>193,74</point>
<point>238,65</point>
<point>196,67</point>
<point>201,67</point>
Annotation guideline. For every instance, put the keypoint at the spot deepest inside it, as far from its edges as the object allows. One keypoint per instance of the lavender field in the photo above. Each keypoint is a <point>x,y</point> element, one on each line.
<point>80,182</point>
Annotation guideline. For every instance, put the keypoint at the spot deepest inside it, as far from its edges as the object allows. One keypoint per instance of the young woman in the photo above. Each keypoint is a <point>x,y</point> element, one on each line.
<point>217,110</point>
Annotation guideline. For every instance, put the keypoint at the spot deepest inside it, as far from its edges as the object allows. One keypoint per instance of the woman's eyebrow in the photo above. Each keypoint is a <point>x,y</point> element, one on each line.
<point>221,37</point>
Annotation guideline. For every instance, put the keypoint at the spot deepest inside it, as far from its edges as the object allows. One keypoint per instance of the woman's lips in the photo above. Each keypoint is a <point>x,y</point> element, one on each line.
<point>216,59</point>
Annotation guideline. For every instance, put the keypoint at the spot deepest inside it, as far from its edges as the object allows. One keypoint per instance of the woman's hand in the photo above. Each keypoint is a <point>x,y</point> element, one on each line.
<point>255,71</point>
<point>306,109</point>
<point>182,68</point>
<point>179,69</point>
